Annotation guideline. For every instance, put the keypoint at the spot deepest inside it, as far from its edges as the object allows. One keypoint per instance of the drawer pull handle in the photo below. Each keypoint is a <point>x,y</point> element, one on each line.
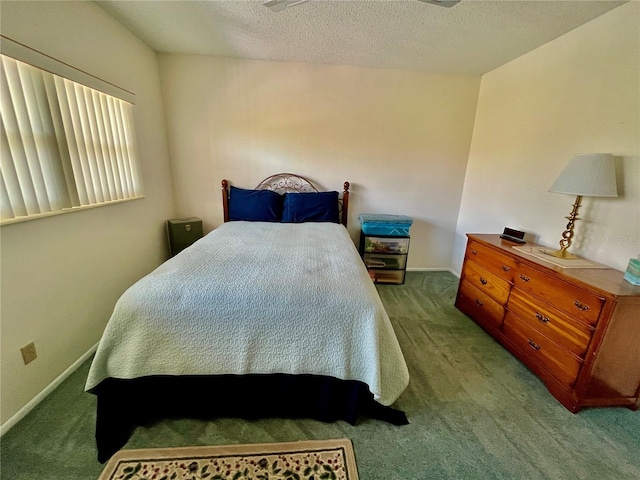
<point>483,281</point>
<point>479,303</point>
<point>505,268</point>
<point>534,345</point>
<point>542,318</point>
<point>524,278</point>
<point>581,306</point>
<point>475,252</point>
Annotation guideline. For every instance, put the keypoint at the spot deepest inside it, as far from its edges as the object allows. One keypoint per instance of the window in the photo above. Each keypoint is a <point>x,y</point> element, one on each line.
<point>64,145</point>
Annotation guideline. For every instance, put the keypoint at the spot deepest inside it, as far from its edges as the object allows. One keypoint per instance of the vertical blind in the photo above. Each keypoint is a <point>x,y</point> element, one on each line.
<point>64,145</point>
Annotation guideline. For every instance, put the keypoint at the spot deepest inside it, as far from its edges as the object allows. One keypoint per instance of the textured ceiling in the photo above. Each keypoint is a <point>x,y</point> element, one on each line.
<point>472,37</point>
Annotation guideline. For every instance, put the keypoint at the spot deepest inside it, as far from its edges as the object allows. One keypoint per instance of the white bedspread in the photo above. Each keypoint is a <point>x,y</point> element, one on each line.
<point>253,297</point>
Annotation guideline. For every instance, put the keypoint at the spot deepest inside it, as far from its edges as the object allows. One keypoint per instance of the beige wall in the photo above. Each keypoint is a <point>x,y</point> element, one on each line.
<point>579,93</point>
<point>401,138</point>
<point>62,275</point>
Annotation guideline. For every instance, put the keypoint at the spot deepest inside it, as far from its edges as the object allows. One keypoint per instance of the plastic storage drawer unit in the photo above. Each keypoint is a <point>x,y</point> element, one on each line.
<point>381,224</point>
<point>384,246</point>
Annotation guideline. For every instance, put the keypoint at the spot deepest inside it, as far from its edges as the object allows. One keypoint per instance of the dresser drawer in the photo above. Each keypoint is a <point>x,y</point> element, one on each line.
<point>489,283</point>
<point>555,325</point>
<point>559,362</point>
<point>480,306</point>
<point>495,262</point>
<point>569,298</point>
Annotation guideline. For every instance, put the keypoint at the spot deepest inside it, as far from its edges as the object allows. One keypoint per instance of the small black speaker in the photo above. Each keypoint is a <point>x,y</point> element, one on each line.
<point>182,232</point>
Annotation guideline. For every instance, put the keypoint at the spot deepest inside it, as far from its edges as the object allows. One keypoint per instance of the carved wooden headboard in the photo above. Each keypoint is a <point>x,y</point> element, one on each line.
<point>288,183</point>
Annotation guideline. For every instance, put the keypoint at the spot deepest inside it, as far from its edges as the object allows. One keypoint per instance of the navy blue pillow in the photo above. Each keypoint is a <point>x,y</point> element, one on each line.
<point>310,207</point>
<point>254,205</point>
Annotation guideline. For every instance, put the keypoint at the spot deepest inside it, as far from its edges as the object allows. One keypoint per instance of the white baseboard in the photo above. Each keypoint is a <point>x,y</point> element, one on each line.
<point>6,426</point>
<point>421,269</point>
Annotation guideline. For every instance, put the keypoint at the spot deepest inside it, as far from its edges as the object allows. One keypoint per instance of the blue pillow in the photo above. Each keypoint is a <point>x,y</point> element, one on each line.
<point>310,207</point>
<point>254,205</point>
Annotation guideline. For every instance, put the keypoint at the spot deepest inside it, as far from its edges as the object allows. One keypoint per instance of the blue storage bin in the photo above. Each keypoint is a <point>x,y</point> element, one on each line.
<point>381,224</point>
<point>632,275</point>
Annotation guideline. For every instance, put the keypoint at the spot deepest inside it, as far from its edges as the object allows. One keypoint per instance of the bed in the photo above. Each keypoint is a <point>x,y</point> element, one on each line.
<point>260,318</point>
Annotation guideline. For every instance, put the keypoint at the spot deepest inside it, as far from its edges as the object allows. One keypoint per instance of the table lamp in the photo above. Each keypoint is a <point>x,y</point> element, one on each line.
<point>586,175</point>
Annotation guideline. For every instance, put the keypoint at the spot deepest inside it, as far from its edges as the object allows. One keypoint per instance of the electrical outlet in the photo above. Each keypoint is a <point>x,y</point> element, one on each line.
<point>29,353</point>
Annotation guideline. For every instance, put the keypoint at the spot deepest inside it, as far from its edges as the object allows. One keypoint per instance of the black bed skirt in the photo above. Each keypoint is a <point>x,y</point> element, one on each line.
<point>125,404</point>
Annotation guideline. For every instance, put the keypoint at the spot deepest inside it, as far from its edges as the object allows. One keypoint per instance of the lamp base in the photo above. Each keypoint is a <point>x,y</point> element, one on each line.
<point>562,254</point>
<point>567,235</point>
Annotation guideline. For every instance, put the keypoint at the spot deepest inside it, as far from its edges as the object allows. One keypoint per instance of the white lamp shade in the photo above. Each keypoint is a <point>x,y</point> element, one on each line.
<point>589,175</point>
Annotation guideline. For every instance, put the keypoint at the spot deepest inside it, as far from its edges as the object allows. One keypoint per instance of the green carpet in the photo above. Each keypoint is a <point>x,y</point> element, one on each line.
<point>475,412</point>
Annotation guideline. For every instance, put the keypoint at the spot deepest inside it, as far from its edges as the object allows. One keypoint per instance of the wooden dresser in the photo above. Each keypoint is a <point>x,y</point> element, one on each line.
<point>578,329</point>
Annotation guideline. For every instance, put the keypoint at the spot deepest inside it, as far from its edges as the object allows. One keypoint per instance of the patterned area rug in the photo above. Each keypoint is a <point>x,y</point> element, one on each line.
<point>306,460</point>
